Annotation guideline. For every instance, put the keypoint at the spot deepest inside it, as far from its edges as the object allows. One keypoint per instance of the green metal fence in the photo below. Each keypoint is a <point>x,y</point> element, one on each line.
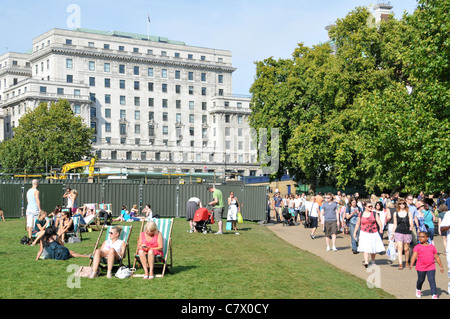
<point>165,200</point>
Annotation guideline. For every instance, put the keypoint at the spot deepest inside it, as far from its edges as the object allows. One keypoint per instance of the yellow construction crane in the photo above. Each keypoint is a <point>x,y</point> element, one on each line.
<point>67,167</point>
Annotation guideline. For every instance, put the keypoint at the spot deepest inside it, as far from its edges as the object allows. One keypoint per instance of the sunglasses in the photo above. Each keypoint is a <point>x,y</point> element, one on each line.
<point>369,206</point>
<point>402,203</point>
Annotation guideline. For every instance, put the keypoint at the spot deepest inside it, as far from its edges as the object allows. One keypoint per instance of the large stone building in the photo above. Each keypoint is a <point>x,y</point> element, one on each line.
<point>156,105</point>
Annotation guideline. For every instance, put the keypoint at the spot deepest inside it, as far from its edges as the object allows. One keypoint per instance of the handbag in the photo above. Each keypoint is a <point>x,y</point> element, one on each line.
<point>124,272</point>
<point>228,226</point>
<point>83,271</point>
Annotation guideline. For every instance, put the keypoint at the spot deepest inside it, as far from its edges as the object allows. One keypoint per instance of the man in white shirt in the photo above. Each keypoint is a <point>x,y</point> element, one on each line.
<point>445,228</point>
<point>312,214</point>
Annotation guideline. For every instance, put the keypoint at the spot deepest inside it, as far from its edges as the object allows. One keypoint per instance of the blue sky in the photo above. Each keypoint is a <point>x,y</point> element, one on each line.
<point>252,29</point>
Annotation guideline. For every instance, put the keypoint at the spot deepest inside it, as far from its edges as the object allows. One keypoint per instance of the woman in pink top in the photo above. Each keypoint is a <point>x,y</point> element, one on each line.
<point>425,254</point>
<point>150,244</point>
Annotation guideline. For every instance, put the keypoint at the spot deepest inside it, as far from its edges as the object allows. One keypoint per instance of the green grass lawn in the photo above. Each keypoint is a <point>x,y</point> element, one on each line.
<point>253,265</point>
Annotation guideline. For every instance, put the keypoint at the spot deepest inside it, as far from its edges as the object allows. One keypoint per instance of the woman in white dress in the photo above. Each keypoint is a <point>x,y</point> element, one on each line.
<point>233,209</point>
<point>370,242</point>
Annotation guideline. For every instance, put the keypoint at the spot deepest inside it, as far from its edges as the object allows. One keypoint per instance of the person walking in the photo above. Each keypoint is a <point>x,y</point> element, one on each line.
<point>277,200</point>
<point>351,215</point>
<point>445,230</point>
<point>33,206</point>
<point>426,254</point>
<point>370,242</point>
<point>329,214</point>
<point>312,215</point>
<point>403,226</point>
<point>218,205</point>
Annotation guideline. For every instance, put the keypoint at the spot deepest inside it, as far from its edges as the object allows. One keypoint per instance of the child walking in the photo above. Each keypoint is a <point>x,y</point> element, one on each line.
<point>425,254</point>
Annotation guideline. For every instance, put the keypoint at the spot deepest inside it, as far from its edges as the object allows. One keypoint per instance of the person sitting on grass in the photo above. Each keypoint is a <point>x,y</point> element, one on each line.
<point>150,244</point>
<point>113,249</point>
<point>52,247</point>
<point>2,215</point>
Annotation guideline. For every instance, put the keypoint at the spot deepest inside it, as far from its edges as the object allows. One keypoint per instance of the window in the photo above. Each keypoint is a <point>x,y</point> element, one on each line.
<point>137,101</point>
<point>136,70</point>
<point>191,76</point>
<point>136,85</point>
<point>151,116</point>
<point>203,91</point>
<point>60,91</point>
<point>164,88</point>
<point>227,131</point>
<point>178,104</point>
<point>77,109</point>
<point>190,56</point>
<point>151,102</point>
<point>177,88</point>
<point>165,116</point>
<point>122,100</point>
<point>204,106</point>
<point>135,50</point>
<point>69,78</point>
<point>106,46</point>
<point>91,44</point>
<point>69,64</point>
<point>220,78</point>
<point>107,83</point>
<point>123,129</point>
<point>150,72</point>
<point>91,66</point>
<point>123,114</point>
<point>177,74</point>
<point>76,92</point>
<point>177,54</point>
<point>150,86</point>
<point>239,119</point>
<point>191,131</point>
<point>191,105</point>
<point>165,130</point>
<point>121,48</point>
<point>107,98</point>
<point>203,77</point>
<point>92,97</point>
<point>164,73</point>
<point>122,68</point>
<point>68,41</point>
<point>164,103</point>
<point>137,115</point>
<point>108,127</point>
<point>191,118</point>
<point>107,67</point>
<point>43,89</point>
<point>137,129</point>
<point>220,92</point>
<point>91,81</point>
<point>151,130</point>
<point>113,155</point>
<point>191,90</point>
<point>178,117</point>
<point>122,84</point>
<point>227,118</point>
<point>107,113</point>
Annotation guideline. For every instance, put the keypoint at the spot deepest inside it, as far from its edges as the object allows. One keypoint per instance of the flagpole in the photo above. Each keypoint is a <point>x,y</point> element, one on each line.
<point>148,27</point>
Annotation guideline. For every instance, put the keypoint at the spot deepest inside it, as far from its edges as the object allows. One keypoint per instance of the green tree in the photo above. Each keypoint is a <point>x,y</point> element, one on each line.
<point>46,136</point>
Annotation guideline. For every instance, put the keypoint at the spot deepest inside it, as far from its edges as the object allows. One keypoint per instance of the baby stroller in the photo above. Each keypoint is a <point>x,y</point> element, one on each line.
<point>202,218</point>
<point>288,219</point>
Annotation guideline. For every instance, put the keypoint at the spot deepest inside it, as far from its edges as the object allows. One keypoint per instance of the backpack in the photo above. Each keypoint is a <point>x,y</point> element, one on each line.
<point>59,252</point>
<point>25,240</point>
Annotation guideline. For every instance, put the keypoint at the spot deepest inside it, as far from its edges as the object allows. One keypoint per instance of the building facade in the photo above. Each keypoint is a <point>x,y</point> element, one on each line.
<point>156,105</point>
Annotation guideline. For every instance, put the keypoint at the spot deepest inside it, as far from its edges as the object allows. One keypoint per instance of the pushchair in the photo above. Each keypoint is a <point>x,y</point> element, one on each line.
<point>202,219</point>
<point>288,219</point>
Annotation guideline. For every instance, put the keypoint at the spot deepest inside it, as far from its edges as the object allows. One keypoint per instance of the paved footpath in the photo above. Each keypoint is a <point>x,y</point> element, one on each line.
<point>385,275</point>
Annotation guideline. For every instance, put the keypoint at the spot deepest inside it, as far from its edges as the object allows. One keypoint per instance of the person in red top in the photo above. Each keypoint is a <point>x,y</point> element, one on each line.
<point>150,244</point>
<point>425,254</point>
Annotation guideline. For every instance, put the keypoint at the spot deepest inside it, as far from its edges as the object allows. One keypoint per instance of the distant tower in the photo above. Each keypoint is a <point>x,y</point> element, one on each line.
<point>382,11</point>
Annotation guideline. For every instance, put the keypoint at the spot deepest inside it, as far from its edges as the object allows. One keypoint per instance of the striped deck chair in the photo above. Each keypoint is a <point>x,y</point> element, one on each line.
<point>165,227</point>
<point>76,229</point>
<point>36,229</point>
<point>125,236</point>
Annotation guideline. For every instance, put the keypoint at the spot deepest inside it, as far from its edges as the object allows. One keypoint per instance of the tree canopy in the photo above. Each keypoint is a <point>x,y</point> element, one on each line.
<point>370,107</point>
<point>46,136</point>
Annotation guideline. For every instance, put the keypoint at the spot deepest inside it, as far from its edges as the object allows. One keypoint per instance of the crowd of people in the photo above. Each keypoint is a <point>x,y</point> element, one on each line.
<point>409,222</point>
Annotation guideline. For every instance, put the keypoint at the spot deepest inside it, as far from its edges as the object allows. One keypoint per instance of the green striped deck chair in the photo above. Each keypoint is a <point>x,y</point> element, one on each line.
<point>124,235</point>
<point>165,227</point>
<point>36,229</point>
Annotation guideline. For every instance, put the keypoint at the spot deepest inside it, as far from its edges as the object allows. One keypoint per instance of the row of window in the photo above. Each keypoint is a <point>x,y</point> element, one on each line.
<point>121,48</point>
<point>150,71</point>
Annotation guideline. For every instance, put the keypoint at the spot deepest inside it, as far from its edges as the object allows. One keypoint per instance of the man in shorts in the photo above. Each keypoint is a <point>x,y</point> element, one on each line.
<point>330,215</point>
<point>33,206</point>
<point>219,206</point>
